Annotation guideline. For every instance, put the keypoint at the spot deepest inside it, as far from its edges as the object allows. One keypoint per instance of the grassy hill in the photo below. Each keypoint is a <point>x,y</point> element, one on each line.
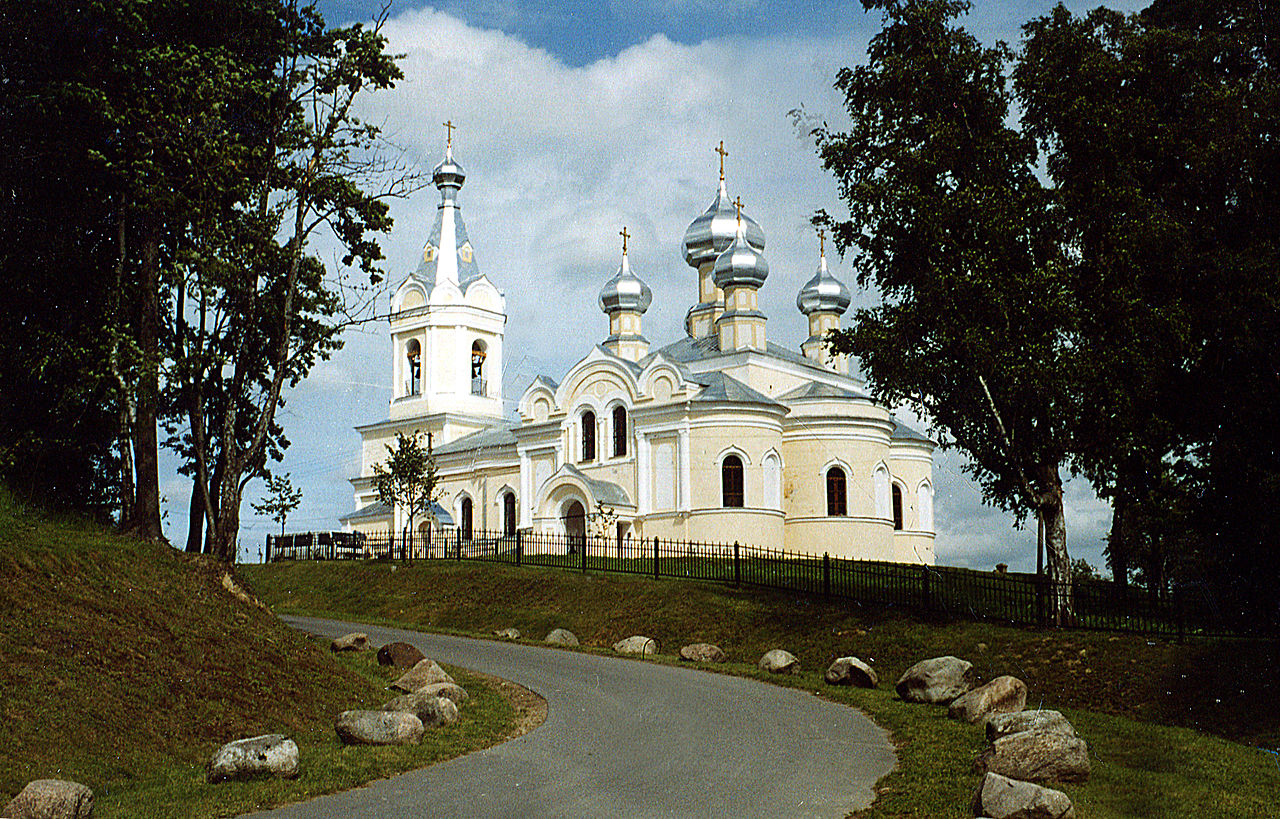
<point>126,664</point>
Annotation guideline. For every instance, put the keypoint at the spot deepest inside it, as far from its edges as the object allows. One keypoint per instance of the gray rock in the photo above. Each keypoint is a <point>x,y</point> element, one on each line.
<point>400,655</point>
<point>355,641</point>
<point>1003,695</point>
<point>561,637</point>
<point>379,728</point>
<point>421,675</point>
<point>703,653</point>
<point>644,646</point>
<point>430,709</point>
<point>777,661</point>
<point>1002,798</point>
<point>851,671</point>
<point>508,634</point>
<point>448,690</point>
<point>940,679</point>
<point>51,799</point>
<point>1002,725</point>
<point>1037,756</point>
<point>268,755</point>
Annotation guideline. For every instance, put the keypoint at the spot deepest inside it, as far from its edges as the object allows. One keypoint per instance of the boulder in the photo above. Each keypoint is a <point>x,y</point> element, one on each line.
<point>1002,725</point>
<point>400,655</point>
<point>379,728</point>
<point>355,641</point>
<point>703,653</point>
<point>268,755</point>
<point>430,709</point>
<point>51,799</point>
<point>644,646</point>
<point>940,679</point>
<point>448,690</point>
<point>1002,798</point>
<point>851,671</point>
<point>561,637</point>
<point>1003,695</point>
<point>508,634</point>
<point>421,675</point>
<point>1037,756</point>
<point>777,661</point>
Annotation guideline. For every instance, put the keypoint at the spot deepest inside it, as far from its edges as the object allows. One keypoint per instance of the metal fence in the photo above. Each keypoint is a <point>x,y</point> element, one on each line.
<point>941,590</point>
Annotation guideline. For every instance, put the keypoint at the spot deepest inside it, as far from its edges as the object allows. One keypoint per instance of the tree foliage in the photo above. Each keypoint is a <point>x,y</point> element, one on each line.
<point>406,480</point>
<point>280,500</point>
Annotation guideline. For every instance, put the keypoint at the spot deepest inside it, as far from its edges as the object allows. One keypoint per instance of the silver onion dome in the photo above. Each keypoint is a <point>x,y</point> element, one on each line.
<point>823,293</point>
<point>714,230</point>
<point>740,265</point>
<point>625,291</point>
<point>448,174</point>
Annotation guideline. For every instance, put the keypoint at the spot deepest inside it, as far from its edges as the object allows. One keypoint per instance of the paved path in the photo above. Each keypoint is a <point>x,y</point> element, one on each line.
<point>628,739</point>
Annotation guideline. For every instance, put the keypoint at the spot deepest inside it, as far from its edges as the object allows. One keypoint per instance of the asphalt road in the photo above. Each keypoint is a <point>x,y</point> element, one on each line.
<point>625,738</point>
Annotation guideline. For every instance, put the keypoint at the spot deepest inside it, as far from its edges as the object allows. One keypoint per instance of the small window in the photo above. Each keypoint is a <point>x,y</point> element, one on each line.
<point>413,384</point>
<point>731,481</point>
<point>619,431</point>
<point>588,436</point>
<point>509,514</point>
<point>837,496</point>
<point>478,386</point>
<point>466,518</point>
<point>897,507</point>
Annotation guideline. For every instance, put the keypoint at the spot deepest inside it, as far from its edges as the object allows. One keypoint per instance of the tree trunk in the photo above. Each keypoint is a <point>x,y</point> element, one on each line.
<point>211,512</point>
<point>146,516</point>
<point>1049,498</point>
<point>227,532</point>
<point>1118,544</point>
<point>195,527</point>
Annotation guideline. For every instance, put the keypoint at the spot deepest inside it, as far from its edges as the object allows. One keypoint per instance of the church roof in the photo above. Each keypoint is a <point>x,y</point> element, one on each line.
<point>468,271</point>
<point>902,432</point>
<point>484,439</point>
<point>720,387</point>
<point>377,509</point>
<point>688,350</point>
<point>602,491</point>
<point>815,389</point>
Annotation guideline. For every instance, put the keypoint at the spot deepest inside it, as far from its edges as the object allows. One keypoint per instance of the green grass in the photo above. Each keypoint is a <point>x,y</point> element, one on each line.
<point>1135,700</point>
<point>126,664</point>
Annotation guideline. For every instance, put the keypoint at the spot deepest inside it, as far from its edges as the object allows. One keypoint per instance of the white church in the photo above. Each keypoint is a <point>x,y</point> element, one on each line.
<point>722,435</point>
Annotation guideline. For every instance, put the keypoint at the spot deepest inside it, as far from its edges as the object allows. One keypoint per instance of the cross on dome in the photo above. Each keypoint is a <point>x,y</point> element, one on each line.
<point>737,203</point>
<point>448,128</point>
<point>623,233</point>
<point>723,153</point>
<point>822,247</point>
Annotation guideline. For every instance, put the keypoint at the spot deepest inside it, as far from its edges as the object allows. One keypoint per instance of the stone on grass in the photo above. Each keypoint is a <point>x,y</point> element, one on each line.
<point>851,671</point>
<point>777,661</point>
<point>1002,798</point>
<point>421,675</point>
<point>940,679</point>
<point>703,653</point>
<point>1002,725</point>
<point>430,709</point>
<point>400,655</point>
<point>508,634</point>
<point>561,637</point>
<point>1037,756</point>
<point>1003,695</point>
<point>268,755</point>
<point>51,799</point>
<point>643,646</point>
<point>448,690</point>
<point>355,641</point>
<point>379,728</point>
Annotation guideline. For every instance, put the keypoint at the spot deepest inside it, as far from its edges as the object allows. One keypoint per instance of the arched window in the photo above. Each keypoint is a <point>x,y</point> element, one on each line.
<point>925,506</point>
<point>837,495</point>
<point>509,514</point>
<point>466,518</point>
<point>413,384</point>
<point>477,369</point>
<point>771,476</point>
<point>588,436</point>
<point>731,481</point>
<point>897,506</point>
<point>619,431</point>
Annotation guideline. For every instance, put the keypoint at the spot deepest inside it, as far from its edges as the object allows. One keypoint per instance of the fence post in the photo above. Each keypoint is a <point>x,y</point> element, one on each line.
<point>459,552</point>
<point>737,565</point>
<point>826,574</point>
<point>585,540</point>
<point>925,601</point>
<point>1040,581</point>
<point>655,557</point>
<point>269,539</point>
<point>519,546</point>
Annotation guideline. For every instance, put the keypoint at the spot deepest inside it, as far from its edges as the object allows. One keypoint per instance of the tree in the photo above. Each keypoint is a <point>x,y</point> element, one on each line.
<point>948,221</point>
<point>407,479</point>
<point>280,500</point>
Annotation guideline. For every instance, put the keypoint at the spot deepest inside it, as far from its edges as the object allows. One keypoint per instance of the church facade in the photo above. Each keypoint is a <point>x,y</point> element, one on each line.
<point>722,435</point>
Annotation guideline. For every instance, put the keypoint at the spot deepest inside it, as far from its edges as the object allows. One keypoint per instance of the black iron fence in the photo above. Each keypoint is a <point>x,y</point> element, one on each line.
<point>948,591</point>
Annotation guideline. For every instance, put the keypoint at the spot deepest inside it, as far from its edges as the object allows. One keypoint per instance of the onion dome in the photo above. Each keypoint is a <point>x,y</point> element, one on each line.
<point>714,230</point>
<point>823,293</point>
<point>740,265</point>
<point>448,174</point>
<point>625,291</point>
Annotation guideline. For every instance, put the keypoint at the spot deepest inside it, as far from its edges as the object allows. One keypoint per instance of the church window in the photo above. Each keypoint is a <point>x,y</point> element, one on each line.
<point>619,431</point>
<point>509,514</point>
<point>413,384</point>
<point>588,436</point>
<point>466,519</point>
<point>477,369</point>
<point>837,494</point>
<point>897,507</point>
<point>771,476</point>
<point>731,481</point>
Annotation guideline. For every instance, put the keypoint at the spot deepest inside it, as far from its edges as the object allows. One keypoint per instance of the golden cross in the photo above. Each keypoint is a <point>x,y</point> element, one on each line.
<point>723,153</point>
<point>822,247</point>
<point>738,204</point>
<point>448,127</point>
<point>623,233</point>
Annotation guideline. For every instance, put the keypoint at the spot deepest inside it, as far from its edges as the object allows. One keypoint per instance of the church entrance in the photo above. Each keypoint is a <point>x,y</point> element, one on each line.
<point>575,526</point>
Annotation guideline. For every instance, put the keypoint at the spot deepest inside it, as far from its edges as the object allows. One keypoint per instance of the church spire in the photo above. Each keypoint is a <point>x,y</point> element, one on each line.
<point>448,258</point>
<point>624,298</point>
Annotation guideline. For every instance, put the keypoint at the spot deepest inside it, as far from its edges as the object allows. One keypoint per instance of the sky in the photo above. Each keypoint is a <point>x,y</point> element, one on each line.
<point>575,119</point>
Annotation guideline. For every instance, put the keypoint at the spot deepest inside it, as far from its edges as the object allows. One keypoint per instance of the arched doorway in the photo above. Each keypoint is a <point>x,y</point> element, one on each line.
<point>575,526</point>
<point>466,518</point>
<point>509,514</point>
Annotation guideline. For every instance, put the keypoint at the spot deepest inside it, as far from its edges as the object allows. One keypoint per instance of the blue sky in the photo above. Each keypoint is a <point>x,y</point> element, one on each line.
<point>575,119</point>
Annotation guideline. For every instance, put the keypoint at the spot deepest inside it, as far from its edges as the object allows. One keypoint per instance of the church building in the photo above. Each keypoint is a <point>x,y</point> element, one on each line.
<point>722,435</point>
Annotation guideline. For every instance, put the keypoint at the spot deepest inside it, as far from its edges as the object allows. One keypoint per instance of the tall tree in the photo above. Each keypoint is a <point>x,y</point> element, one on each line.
<point>948,221</point>
<point>407,479</point>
